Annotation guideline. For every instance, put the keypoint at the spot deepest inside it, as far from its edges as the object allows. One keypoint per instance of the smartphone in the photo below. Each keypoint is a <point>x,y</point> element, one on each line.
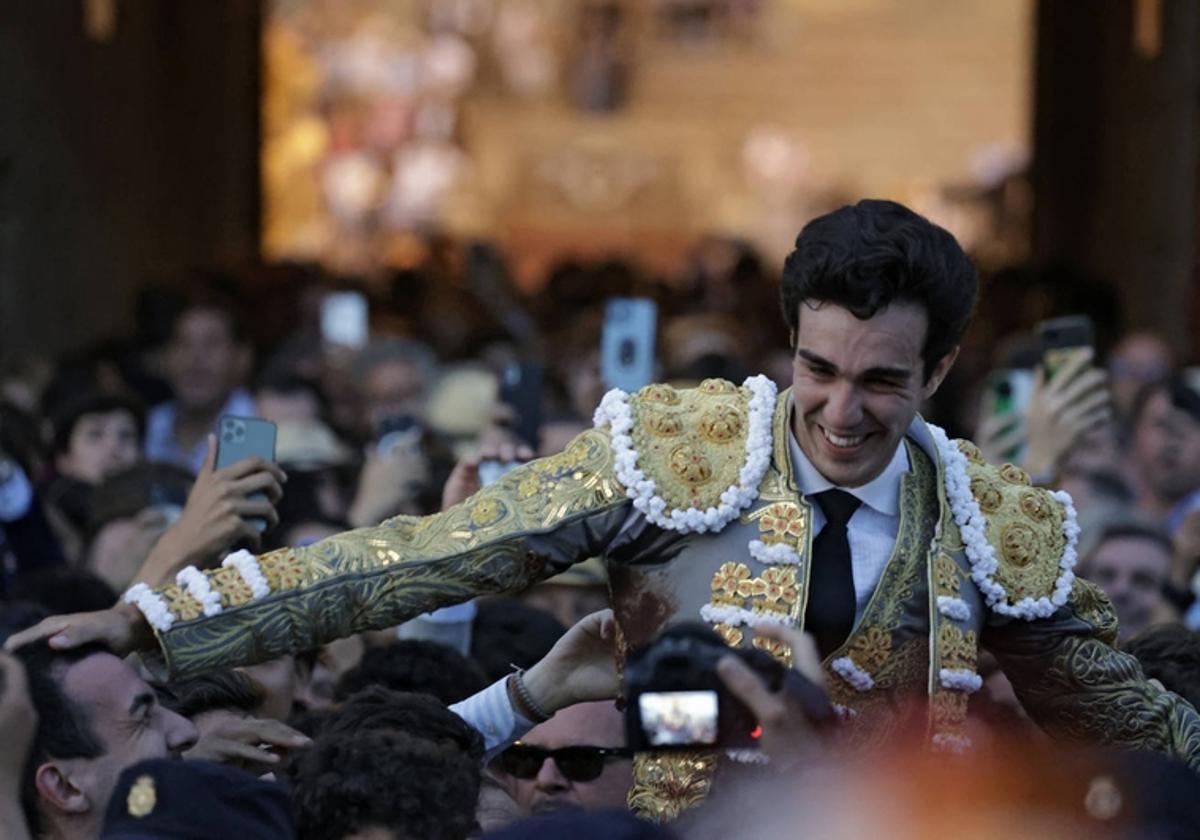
<point>1009,392</point>
<point>344,319</point>
<point>627,343</point>
<point>521,388</point>
<point>1062,338</point>
<point>239,438</point>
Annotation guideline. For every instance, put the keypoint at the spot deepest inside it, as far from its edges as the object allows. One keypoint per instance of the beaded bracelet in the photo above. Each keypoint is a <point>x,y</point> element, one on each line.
<point>540,715</point>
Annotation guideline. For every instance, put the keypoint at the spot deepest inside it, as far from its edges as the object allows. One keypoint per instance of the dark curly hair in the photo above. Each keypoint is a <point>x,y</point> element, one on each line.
<point>866,256</point>
<point>386,779</point>
<point>415,665</point>
<point>1170,653</point>
<point>422,715</point>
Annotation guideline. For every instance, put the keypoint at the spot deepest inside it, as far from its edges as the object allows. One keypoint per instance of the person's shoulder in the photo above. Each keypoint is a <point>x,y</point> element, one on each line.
<point>1019,538</point>
<point>691,458</point>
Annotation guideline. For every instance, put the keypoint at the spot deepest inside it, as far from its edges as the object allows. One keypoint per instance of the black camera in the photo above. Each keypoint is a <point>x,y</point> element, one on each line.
<point>675,700</point>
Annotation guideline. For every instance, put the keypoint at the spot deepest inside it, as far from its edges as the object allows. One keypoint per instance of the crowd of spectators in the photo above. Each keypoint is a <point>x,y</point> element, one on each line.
<point>108,477</point>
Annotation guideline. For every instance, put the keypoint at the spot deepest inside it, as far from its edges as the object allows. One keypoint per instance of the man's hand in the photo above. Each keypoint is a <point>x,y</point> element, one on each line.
<point>1063,409</point>
<point>122,628</point>
<point>464,478</point>
<point>215,517</point>
<point>785,715</point>
<point>581,666</point>
<point>253,744</point>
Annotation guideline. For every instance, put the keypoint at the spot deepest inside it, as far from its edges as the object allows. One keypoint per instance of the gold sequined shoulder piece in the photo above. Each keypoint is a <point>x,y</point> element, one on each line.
<point>691,442</point>
<point>1024,526</point>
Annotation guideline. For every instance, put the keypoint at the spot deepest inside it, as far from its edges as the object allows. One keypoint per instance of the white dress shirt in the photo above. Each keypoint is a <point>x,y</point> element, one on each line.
<point>873,528</point>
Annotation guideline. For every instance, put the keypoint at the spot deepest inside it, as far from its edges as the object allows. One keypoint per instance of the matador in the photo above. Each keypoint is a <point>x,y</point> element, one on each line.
<point>709,503</point>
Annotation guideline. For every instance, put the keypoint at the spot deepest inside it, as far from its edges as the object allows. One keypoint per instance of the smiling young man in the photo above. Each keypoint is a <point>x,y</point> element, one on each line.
<point>831,507</point>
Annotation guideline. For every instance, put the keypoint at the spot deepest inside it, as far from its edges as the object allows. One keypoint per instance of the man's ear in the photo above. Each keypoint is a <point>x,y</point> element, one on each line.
<point>56,790</point>
<point>939,372</point>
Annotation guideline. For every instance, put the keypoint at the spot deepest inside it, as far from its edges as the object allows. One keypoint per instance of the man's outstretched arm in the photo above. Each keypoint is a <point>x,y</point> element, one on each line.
<point>1076,685</point>
<point>532,523</point>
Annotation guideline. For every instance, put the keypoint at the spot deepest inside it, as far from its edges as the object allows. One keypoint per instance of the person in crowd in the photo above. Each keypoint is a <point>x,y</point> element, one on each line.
<point>1164,451</point>
<point>18,723</point>
<point>1139,359</point>
<point>385,785</point>
<point>96,436</point>
<point>708,501</point>
<point>95,718</point>
<point>225,707</point>
<point>195,800</point>
<point>415,665</point>
<point>577,759</point>
<point>28,542</point>
<point>508,633</point>
<point>1130,560</point>
<point>207,359</point>
<point>283,397</point>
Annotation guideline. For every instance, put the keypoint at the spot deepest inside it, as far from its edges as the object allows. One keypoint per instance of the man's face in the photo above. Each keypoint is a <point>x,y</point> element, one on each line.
<point>203,361</point>
<point>100,445</point>
<point>126,717</point>
<point>586,724</point>
<point>393,388</point>
<point>857,386</point>
<point>1131,571</point>
<point>1166,447</point>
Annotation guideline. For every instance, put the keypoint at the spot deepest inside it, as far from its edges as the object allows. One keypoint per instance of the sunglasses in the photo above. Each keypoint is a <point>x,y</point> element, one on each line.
<point>578,764</point>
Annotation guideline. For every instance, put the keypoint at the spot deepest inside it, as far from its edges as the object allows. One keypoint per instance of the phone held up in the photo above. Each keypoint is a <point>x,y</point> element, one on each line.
<point>1063,338</point>
<point>240,438</point>
<point>627,343</point>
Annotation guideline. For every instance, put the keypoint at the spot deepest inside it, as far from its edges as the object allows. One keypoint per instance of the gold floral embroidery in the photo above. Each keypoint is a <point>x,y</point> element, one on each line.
<point>958,649</point>
<point>946,576</point>
<point>1014,474</point>
<point>663,425</point>
<point>727,582</point>
<point>487,512</point>
<point>870,648</point>
<point>733,636</point>
<point>282,571</point>
<point>949,709</point>
<point>663,394</point>
<point>1036,504</point>
<point>717,386</point>
<point>665,784</point>
<point>782,521</point>
<point>182,605</point>
<point>779,650</point>
<point>986,493</point>
<point>779,587</point>
<point>972,451</point>
<point>233,588</point>
<point>690,465</point>
<point>721,424</point>
<point>1018,544</point>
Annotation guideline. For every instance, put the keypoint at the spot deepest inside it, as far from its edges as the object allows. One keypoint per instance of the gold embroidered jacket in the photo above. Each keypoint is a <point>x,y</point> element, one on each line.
<point>690,496</point>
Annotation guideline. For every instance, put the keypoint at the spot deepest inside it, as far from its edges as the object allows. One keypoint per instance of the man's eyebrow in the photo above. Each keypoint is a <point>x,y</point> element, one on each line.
<point>888,373</point>
<point>813,359</point>
<point>141,701</point>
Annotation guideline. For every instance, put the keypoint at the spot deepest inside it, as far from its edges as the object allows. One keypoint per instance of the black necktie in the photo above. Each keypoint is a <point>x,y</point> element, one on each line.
<point>830,614</point>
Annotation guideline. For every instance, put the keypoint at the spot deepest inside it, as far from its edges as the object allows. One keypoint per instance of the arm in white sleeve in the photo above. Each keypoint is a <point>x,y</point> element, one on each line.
<point>491,714</point>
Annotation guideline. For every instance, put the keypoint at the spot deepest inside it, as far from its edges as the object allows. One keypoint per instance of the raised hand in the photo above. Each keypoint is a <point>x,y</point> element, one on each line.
<point>581,666</point>
<point>254,744</point>
<point>215,516</point>
<point>122,628</point>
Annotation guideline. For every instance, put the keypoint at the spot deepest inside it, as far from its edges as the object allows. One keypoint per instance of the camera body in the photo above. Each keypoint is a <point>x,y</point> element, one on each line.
<point>675,700</point>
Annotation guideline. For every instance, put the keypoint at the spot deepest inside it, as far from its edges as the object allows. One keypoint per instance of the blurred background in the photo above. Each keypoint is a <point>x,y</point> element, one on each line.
<point>143,138</point>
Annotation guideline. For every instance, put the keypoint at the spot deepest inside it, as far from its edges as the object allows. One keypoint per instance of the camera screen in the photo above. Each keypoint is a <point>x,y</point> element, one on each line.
<point>678,717</point>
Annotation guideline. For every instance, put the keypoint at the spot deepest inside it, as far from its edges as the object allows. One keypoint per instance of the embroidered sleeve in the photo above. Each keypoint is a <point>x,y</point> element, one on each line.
<point>1074,684</point>
<point>532,523</point>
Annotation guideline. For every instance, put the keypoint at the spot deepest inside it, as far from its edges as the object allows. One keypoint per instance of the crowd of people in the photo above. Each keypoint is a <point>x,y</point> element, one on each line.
<point>108,479</point>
